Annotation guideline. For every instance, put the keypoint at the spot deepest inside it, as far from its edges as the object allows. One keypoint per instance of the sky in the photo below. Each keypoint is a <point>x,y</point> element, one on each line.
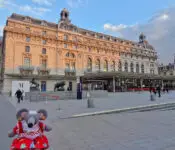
<point>121,18</point>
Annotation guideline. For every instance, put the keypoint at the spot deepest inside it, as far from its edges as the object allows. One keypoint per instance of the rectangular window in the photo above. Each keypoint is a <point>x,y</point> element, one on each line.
<point>44,63</point>
<point>44,51</point>
<point>27,49</point>
<point>27,61</point>
<point>27,39</point>
<point>65,45</point>
<point>65,37</point>
<point>67,66</point>
<point>44,42</point>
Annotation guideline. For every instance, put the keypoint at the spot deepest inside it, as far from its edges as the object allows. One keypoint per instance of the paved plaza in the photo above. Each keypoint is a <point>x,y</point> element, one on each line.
<point>67,108</point>
<point>153,130</point>
<point>135,131</point>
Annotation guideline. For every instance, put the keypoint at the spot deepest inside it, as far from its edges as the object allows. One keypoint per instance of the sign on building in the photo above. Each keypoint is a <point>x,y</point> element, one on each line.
<point>22,85</point>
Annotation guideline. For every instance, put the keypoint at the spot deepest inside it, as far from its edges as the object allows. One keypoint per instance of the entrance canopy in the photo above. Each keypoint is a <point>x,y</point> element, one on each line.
<point>120,74</point>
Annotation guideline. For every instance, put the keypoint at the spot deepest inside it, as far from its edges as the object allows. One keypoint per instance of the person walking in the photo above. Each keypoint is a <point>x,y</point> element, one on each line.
<point>159,90</point>
<point>18,95</point>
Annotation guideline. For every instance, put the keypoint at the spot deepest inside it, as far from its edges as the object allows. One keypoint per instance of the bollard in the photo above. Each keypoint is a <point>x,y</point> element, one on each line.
<point>46,100</point>
<point>90,102</point>
<point>59,108</point>
<point>152,97</point>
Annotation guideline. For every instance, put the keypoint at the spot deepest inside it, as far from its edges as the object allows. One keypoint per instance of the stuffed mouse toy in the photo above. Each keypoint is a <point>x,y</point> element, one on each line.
<point>30,126</point>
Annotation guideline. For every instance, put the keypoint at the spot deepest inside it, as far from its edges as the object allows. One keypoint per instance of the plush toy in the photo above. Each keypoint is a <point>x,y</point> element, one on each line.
<point>30,127</point>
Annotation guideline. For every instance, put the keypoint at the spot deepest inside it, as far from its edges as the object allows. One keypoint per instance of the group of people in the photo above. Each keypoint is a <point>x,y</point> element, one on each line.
<point>158,90</point>
<point>19,95</point>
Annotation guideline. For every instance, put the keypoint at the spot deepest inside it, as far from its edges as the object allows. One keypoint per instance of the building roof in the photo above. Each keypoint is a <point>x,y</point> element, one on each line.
<point>69,26</point>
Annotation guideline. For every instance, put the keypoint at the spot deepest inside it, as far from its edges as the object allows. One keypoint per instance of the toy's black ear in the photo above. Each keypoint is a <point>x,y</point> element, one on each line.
<point>20,115</point>
<point>42,114</point>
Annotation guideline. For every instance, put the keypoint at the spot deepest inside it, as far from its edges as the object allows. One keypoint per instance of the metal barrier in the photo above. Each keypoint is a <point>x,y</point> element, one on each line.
<point>49,96</point>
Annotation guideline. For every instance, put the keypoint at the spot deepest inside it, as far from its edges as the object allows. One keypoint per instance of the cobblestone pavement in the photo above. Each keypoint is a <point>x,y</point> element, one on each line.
<point>135,131</point>
<point>67,108</point>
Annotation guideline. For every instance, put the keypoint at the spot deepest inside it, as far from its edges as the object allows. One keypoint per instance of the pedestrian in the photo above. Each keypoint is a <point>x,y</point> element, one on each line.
<point>154,91</point>
<point>159,90</point>
<point>18,95</point>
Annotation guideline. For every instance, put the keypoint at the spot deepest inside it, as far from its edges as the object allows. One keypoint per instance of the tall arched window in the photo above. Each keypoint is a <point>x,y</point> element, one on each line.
<point>105,65</point>
<point>97,64</point>
<point>137,68</point>
<point>132,67</point>
<point>142,68</point>
<point>119,66</point>
<point>126,67</point>
<point>113,66</point>
<point>89,64</point>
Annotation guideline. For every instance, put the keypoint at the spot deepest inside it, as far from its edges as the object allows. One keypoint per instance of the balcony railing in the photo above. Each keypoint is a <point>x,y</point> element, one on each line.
<point>26,70</point>
<point>68,70</point>
<point>43,70</point>
<point>29,68</point>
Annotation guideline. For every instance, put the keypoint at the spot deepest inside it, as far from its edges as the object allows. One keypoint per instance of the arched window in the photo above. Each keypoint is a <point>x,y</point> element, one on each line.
<point>65,36</point>
<point>97,64</point>
<point>126,67</point>
<point>142,68</point>
<point>132,67</point>
<point>113,66</point>
<point>89,64</point>
<point>105,65</point>
<point>137,68</point>
<point>119,66</point>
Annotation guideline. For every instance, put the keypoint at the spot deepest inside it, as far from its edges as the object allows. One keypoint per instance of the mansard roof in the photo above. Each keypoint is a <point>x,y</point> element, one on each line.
<point>74,28</point>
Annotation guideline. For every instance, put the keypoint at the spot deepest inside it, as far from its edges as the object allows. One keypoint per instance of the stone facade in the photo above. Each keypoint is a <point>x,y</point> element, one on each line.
<point>51,52</point>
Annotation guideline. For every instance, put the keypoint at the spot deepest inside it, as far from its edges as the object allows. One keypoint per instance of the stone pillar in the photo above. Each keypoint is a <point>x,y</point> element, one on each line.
<point>162,83</point>
<point>141,83</point>
<point>79,88</point>
<point>113,84</point>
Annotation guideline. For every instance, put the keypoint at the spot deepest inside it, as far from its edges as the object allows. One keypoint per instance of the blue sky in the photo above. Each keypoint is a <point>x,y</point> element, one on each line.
<point>124,18</point>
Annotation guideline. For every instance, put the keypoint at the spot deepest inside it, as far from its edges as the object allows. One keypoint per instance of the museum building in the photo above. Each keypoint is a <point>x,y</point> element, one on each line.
<point>53,52</point>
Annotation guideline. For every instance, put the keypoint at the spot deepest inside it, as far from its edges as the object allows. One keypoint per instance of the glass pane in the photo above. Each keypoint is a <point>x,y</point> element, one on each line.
<point>44,63</point>
<point>67,66</point>
<point>27,61</point>
<point>43,51</point>
<point>27,39</point>
<point>27,49</point>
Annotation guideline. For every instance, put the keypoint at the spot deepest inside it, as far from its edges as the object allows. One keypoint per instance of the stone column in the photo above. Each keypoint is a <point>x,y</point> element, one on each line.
<point>141,82</point>
<point>114,84</point>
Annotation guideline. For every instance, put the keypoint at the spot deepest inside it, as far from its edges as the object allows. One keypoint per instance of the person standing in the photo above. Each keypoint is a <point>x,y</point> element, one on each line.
<point>18,95</point>
<point>159,90</point>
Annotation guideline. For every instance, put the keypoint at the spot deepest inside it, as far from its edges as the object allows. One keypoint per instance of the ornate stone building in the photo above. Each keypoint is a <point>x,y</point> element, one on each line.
<point>50,52</point>
<point>168,71</point>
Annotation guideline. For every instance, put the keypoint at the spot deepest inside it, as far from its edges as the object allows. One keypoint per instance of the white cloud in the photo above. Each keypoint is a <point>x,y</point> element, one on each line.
<point>76,3</point>
<point>1,3</point>
<point>1,30</point>
<point>159,30</point>
<point>34,10</point>
<point>25,8</point>
<point>42,2</point>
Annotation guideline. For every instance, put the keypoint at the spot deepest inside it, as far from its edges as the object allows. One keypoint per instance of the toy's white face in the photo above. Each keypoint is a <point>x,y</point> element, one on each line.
<point>33,112</point>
